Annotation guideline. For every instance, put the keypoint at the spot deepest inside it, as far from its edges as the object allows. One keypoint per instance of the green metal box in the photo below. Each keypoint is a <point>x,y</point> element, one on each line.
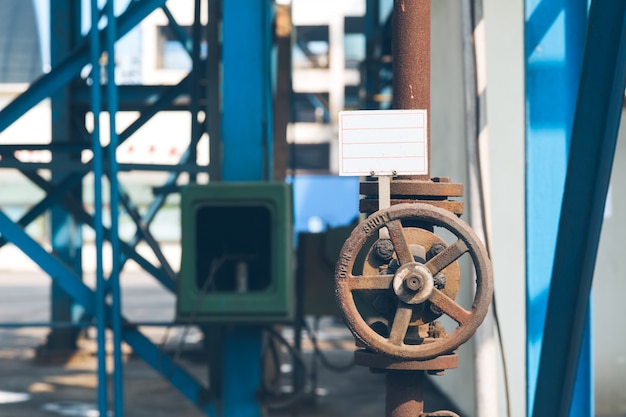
<point>236,253</point>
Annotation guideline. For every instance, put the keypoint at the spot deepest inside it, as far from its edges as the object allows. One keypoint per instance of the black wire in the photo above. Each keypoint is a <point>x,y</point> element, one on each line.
<point>213,268</point>
<point>322,357</point>
<point>299,386</point>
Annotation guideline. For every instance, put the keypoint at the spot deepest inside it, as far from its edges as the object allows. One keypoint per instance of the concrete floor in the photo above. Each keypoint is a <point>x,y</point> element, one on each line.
<point>69,387</point>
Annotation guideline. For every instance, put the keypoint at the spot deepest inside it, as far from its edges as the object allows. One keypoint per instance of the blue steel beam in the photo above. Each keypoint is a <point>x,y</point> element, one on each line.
<point>246,149</point>
<point>65,237</point>
<point>55,193</point>
<point>246,108</point>
<point>594,137</point>
<point>554,34</point>
<point>98,173</point>
<point>71,66</point>
<point>141,345</point>
<point>114,207</point>
<point>180,33</point>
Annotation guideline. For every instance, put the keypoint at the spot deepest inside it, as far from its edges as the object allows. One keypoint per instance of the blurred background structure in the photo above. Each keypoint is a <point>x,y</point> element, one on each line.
<point>101,131</point>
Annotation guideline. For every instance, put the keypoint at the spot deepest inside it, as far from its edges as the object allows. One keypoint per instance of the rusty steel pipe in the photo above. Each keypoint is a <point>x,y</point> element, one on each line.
<point>404,395</point>
<point>411,58</point>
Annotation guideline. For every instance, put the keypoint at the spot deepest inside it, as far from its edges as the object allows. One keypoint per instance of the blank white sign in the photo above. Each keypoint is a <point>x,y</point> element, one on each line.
<point>383,142</point>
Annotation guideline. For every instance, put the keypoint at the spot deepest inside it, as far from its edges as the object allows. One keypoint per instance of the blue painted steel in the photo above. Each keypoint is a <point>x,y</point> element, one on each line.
<point>331,200</point>
<point>98,173</point>
<point>180,33</point>
<point>594,137</point>
<point>70,67</point>
<point>83,217</point>
<point>196,70</point>
<point>554,43</point>
<point>114,207</point>
<point>84,324</point>
<point>83,295</point>
<point>246,106</point>
<point>242,372</point>
<point>246,156</point>
<point>66,238</point>
<point>51,198</point>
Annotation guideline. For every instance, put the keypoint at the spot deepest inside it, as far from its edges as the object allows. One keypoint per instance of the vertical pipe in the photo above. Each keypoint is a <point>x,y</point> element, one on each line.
<point>116,320</point>
<point>404,395</point>
<point>96,107</point>
<point>213,96</point>
<point>411,58</point>
<point>196,68</point>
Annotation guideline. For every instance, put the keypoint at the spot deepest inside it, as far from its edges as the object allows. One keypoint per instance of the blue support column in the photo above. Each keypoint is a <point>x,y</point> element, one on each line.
<point>98,173</point>
<point>247,149</point>
<point>114,279</point>
<point>246,90</point>
<point>555,31</point>
<point>65,234</point>
<point>594,138</point>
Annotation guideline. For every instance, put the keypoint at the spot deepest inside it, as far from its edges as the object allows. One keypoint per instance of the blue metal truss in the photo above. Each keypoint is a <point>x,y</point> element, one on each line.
<point>72,285</point>
<point>555,31</point>
<point>591,154</point>
<point>98,97</point>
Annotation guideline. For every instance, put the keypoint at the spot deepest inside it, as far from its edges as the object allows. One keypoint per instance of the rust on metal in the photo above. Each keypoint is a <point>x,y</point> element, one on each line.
<point>411,58</point>
<point>385,304</point>
<point>404,393</point>
<point>364,357</point>
<point>370,205</point>
<point>415,188</point>
<point>444,413</point>
<point>346,282</point>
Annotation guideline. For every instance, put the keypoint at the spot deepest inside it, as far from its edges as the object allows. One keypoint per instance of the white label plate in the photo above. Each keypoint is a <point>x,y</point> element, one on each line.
<point>383,142</point>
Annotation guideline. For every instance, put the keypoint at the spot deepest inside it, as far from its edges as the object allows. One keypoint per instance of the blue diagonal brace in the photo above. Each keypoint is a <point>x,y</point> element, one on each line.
<point>82,216</point>
<point>594,137</point>
<point>83,295</point>
<point>70,68</point>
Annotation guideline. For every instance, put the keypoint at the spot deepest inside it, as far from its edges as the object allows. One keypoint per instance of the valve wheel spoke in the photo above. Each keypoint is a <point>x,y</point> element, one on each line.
<point>365,289</point>
<point>400,244</point>
<point>446,257</point>
<point>450,307</point>
<point>400,324</point>
<point>369,282</point>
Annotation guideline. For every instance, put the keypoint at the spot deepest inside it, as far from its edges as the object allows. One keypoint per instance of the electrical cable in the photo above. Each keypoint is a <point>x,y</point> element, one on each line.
<point>208,283</point>
<point>322,357</point>
<point>476,113</point>
<point>276,404</point>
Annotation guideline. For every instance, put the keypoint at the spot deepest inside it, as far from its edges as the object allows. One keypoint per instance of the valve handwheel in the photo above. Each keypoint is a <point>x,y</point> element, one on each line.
<point>412,282</point>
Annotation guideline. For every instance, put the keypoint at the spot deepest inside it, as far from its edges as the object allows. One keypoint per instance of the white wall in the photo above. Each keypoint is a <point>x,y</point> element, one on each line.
<point>505,99</point>
<point>609,288</point>
<point>448,159</point>
<point>506,103</point>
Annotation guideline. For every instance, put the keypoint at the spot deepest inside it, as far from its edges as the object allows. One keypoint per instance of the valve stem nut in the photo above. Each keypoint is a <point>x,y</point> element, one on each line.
<point>384,249</point>
<point>434,250</point>
<point>440,281</point>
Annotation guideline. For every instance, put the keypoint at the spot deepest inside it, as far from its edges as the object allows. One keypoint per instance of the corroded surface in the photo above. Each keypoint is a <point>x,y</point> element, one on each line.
<point>347,282</point>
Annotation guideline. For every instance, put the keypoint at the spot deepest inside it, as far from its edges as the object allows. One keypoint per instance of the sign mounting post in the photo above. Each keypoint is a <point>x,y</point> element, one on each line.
<point>383,144</point>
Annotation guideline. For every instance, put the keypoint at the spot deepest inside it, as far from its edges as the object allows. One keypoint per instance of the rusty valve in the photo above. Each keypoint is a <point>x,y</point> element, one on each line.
<point>413,284</point>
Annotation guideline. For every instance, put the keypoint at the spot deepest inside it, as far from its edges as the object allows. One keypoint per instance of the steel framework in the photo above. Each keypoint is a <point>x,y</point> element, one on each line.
<point>216,107</point>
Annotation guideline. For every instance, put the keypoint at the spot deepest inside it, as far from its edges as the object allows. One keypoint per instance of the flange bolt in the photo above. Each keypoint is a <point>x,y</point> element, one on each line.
<point>384,249</point>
